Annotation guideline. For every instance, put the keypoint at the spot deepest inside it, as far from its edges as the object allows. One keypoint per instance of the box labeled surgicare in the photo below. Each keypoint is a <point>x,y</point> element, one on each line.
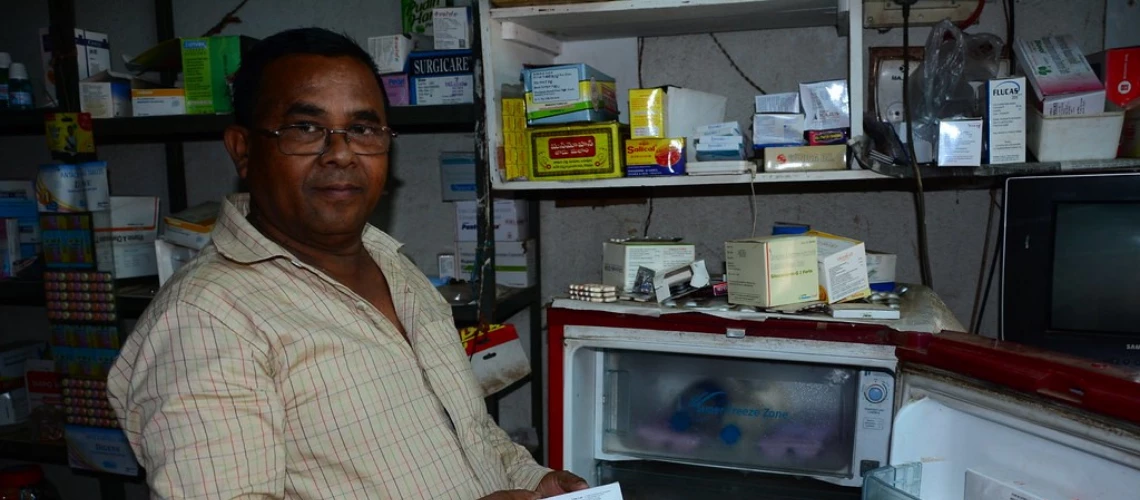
<point>646,157</point>
<point>441,77</point>
<point>511,218</point>
<point>567,94</point>
<point>587,151</point>
<point>1005,121</point>
<point>621,259</point>
<point>771,271</point>
<point>514,262</point>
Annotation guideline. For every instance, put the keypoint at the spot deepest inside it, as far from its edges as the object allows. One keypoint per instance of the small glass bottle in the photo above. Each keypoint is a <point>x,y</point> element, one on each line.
<point>20,94</point>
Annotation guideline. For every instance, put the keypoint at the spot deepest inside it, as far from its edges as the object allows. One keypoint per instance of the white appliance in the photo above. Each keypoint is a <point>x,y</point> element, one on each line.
<point>631,394</point>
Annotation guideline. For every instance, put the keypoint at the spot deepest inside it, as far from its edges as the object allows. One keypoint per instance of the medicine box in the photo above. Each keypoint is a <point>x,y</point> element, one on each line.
<point>191,227</point>
<point>511,218</point>
<point>675,112</point>
<point>805,158</point>
<point>100,449</point>
<point>1005,121</point>
<point>92,51</point>
<point>207,67</point>
<point>108,94</point>
<point>451,28</point>
<point>128,230</point>
<point>648,157</point>
<point>719,147</point>
<point>1063,82</point>
<point>516,160</point>
<point>777,130</point>
<point>514,262</point>
<point>396,89</point>
<point>621,259</point>
<point>390,53</point>
<point>960,142</point>
<point>441,77</point>
<point>158,102</point>
<point>826,105</point>
<point>787,102</point>
<point>843,272</point>
<point>457,175</point>
<point>416,15</point>
<point>1119,70</point>
<point>568,93</point>
<point>771,271</point>
<point>881,270</point>
<point>18,201</point>
<point>587,151</point>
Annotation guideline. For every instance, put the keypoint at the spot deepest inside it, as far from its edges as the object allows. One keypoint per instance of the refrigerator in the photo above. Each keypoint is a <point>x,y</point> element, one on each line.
<point>698,406</point>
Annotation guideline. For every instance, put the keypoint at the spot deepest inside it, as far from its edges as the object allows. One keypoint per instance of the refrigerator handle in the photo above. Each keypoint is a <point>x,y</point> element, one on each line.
<point>1060,386</point>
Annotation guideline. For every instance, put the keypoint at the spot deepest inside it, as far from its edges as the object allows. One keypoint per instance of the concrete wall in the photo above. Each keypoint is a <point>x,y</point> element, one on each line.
<point>776,60</point>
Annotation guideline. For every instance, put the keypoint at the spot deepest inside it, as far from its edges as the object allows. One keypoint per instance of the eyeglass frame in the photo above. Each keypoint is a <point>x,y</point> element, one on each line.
<point>276,134</point>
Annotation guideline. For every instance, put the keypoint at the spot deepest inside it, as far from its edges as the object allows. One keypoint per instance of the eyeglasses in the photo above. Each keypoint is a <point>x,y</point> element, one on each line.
<point>308,140</point>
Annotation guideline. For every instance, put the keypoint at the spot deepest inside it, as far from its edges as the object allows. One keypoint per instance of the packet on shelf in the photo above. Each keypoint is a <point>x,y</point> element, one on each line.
<point>587,151</point>
<point>646,157</point>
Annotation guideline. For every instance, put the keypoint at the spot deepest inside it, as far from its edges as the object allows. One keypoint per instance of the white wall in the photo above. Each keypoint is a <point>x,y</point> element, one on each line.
<point>571,253</point>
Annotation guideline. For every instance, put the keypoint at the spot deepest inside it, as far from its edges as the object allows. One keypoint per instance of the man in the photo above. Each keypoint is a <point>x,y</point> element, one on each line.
<point>301,356</point>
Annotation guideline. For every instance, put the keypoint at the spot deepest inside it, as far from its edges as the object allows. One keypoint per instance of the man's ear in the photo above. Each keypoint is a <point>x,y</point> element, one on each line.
<point>236,138</point>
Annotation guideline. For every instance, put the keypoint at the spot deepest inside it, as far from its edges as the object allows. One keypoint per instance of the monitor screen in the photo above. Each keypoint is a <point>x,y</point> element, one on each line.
<point>1096,268</point>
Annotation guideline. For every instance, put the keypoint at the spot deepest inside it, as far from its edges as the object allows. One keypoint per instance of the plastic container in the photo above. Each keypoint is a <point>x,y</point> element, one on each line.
<point>20,93</point>
<point>730,412</point>
<point>903,482</point>
<point>1068,138</point>
<point>25,482</point>
<point>5,64</point>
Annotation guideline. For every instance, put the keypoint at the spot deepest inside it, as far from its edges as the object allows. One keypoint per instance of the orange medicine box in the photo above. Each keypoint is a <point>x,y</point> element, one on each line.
<point>586,151</point>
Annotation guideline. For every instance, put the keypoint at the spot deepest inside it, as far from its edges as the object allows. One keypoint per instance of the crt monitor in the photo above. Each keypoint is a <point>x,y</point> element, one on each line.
<point>1071,265</point>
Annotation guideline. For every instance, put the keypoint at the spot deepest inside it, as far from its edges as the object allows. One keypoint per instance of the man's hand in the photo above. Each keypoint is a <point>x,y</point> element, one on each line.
<point>559,482</point>
<point>512,495</point>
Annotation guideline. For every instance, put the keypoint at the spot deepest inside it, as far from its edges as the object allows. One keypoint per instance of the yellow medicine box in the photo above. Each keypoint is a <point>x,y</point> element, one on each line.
<point>515,161</point>
<point>586,151</point>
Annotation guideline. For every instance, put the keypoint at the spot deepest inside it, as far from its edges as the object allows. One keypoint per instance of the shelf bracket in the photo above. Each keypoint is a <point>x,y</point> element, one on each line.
<point>525,36</point>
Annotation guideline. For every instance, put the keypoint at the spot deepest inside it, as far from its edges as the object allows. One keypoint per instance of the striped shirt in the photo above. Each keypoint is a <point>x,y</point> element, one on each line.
<point>254,375</point>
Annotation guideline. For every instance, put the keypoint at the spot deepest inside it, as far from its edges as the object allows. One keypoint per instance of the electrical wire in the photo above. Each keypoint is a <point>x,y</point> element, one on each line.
<point>974,322</point>
<point>752,200</point>
<point>920,195</point>
<point>734,66</point>
<point>649,212</point>
<point>974,16</point>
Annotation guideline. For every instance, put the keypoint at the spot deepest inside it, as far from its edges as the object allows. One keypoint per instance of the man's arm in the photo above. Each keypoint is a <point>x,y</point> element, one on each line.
<point>200,408</point>
<point>522,471</point>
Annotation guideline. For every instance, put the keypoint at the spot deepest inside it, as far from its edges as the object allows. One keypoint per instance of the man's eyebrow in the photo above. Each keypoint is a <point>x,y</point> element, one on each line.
<point>366,115</point>
<point>305,109</point>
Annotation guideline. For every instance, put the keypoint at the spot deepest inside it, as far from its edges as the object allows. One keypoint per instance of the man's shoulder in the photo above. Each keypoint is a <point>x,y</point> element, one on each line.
<point>210,283</point>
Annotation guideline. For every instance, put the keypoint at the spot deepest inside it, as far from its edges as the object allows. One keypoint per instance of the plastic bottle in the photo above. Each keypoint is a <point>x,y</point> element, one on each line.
<point>5,62</point>
<point>19,88</point>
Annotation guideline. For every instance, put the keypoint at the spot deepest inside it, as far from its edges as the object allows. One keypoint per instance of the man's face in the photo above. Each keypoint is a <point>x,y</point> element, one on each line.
<point>314,199</point>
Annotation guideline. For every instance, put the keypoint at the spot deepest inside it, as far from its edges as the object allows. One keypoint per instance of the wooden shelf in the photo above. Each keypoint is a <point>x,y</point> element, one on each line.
<point>646,18</point>
<point>158,129</point>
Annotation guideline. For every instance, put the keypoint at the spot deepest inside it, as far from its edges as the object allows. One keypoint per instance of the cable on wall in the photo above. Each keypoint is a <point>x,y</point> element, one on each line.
<point>920,194</point>
<point>734,65</point>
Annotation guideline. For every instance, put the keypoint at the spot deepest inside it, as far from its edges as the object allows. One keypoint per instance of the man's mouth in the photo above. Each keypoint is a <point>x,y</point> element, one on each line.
<point>338,190</point>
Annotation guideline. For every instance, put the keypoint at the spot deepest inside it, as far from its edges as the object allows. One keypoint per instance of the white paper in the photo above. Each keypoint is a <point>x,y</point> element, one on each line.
<point>554,86</point>
<point>610,491</point>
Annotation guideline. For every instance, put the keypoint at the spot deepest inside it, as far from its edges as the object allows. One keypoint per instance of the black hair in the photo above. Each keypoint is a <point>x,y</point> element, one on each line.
<point>315,41</point>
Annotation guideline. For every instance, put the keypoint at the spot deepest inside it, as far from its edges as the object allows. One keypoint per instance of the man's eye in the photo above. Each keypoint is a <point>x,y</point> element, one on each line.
<point>362,130</point>
<point>306,128</point>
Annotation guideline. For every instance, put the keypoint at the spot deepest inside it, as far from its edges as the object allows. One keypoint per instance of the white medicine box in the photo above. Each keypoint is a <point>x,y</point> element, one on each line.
<point>620,260</point>
<point>514,262</point>
<point>510,220</point>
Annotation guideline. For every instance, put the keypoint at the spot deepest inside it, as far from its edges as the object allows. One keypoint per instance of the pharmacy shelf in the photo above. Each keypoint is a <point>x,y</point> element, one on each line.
<point>505,307</point>
<point>457,118</point>
<point>695,180</point>
<point>645,18</point>
<point>999,172</point>
<point>16,445</point>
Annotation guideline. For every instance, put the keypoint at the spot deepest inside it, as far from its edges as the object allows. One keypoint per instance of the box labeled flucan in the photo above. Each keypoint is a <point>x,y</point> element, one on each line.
<point>1005,121</point>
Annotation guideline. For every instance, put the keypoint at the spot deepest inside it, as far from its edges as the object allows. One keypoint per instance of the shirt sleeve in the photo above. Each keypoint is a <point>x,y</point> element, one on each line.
<point>198,403</point>
<point>522,471</point>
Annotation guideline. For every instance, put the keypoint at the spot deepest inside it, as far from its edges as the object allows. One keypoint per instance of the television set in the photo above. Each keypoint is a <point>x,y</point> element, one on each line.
<point>1070,278</point>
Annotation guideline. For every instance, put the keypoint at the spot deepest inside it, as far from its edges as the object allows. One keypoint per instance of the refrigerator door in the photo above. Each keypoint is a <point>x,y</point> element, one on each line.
<point>957,437</point>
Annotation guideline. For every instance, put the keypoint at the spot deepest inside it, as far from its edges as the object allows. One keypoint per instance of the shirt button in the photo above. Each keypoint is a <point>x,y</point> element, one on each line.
<point>361,306</point>
<point>296,262</point>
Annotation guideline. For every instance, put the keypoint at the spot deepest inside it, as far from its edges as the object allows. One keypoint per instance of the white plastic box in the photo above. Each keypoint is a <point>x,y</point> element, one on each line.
<point>1079,137</point>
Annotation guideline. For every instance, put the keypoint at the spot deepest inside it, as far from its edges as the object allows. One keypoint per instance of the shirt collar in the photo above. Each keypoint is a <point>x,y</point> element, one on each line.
<point>237,239</point>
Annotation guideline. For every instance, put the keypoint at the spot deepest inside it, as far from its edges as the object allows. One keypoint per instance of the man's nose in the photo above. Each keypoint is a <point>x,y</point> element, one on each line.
<point>339,152</point>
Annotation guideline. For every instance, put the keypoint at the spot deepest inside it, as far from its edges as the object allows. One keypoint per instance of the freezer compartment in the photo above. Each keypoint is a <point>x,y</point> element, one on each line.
<point>747,414</point>
<point>894,483</point>
<point>646,480</point>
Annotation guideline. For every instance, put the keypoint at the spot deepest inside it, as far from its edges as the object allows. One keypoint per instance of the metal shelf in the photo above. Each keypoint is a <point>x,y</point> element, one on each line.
<point>178,128</point>
<point>505,307</point>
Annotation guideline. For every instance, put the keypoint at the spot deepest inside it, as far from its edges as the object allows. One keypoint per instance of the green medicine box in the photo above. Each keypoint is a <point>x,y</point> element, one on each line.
<point>208,65</point>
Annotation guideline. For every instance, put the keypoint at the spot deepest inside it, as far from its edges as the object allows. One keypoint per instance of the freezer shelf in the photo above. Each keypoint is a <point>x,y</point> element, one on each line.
<point>730,412</point>
<point>645,480</point>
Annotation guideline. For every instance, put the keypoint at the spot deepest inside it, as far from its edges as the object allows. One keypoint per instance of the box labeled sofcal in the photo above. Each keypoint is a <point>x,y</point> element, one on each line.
<point>1063,82</point>
<point>514,262</point>
<point>510,220</point>
<point>1005,121</point>
<point>441,77</point>
<point>567,94</point>
<point>648,157</point>
<point>621,259</point>
<point>960,142</point>
<point>842,268</point>
<point>771,271</point>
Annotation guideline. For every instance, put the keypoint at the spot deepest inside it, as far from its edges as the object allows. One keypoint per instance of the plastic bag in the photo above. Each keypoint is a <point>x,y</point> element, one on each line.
<point>942,88</point>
